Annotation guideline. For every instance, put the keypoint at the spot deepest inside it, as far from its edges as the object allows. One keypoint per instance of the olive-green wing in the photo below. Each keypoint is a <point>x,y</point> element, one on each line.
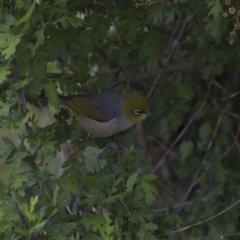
<point>96,106</point>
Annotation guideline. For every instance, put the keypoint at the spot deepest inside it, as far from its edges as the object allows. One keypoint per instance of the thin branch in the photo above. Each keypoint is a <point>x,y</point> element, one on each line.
<point>69,210</point>
<point>11,7</point>
<point>161,161</point>
<point>41,189</point>
<point>195,182</point>
<point>220,87</point>
<point>175,42</point>
<point>154,139</point>
<point>231,96</point>
<point>25,223</point>
<point>213,136</point>
<point>235,138</point>
<point>173,207</point>
<point>24,102</point>
<point>199,223</point>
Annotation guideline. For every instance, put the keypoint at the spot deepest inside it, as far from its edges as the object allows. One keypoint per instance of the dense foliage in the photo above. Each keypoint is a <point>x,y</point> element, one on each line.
<point>178,168</point>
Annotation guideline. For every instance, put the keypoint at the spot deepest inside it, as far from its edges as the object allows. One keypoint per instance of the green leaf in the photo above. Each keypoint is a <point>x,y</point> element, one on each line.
<point>149,191</point>
<point>157,13</point>
<point>40,40</point>
<point>151,226</point>
<point>144,234</point>
<point>4,72</point>
<point>18,180</point>
<point>220,172</point>
<point>6,149</point>
<point>186,149</point>
<point>38,227</point>
<point>51,94</point>
<point>27,16</point>
<point>215,9</point>
<point>213,26</point>
<point>73,20</point>
<point>132,29</point>
<point>205,130</point>
<point>33,202</point>
<point>93,163</point>
<point>55,196</point>
<point>149,177</point>
<point>131,181</point>
<point>8,43</point>
<point>22,83</point>
<point>149,48</point>
<point>185,91</point>
<point>9,20</point>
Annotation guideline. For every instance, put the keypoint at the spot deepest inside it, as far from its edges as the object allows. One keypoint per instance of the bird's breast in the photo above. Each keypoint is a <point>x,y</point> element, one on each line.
<point>103,129</point>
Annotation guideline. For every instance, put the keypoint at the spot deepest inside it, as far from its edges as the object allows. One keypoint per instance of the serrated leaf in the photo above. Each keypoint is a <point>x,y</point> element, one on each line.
<point>186,149</point>
<point>18,181</point>
<point>40,40</point>
<point>8,142</point>
<point>157,13</point>
<point>144,234</point>
<point>52,94</point>
<point>73,20</point>
<point>131,181</point>
<point>38,226</point>
<point>93,163</point>
<point>132,29</point>
<point>21,83</point>
<point>213,26</point>
<point>8,43</point>
<point>149,48</point>
<point>149,191</point>
<point>215,9</point>
<point>4,72</point>
<point>33,202</point>
<point>205,130</point>
<point>219,171</point>
<point>185,90</point>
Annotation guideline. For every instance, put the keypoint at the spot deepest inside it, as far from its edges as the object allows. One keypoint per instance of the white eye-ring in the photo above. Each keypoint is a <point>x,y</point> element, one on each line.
<point>137,112</point>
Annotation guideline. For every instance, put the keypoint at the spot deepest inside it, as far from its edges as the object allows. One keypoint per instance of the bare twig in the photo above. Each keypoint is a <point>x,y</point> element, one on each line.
<point>154,139</point>
<point>11,7</point>
<point>220,87</point>
<point>235,138</point>
<point>193,184</point>
<point>64,63</point>
<point>24,102</point>
<point>161,161</point>
<point>173,207</point>
<point>194,181</point>
<point>41,189</point>
<point>213,136</point>
<point>25,223</point>
<point>175,42</point>
<point>231,96</point>
<point>199,223</point>
<point>69,210</point>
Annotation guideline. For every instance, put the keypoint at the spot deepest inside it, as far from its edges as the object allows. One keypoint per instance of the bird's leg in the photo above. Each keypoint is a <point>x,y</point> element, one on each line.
<point>113,146</point>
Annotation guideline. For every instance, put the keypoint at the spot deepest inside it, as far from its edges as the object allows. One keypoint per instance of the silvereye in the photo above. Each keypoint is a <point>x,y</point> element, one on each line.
<point>105,114</point>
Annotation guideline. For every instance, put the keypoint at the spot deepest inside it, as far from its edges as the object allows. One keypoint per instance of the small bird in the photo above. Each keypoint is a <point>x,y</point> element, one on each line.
<point>105,114</point>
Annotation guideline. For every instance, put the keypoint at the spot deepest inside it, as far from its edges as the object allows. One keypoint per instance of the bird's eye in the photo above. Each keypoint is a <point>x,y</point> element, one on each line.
<point>137,112</point>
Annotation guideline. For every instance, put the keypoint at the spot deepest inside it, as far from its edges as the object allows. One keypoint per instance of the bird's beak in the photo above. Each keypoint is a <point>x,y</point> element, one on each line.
<point>148,113</point>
